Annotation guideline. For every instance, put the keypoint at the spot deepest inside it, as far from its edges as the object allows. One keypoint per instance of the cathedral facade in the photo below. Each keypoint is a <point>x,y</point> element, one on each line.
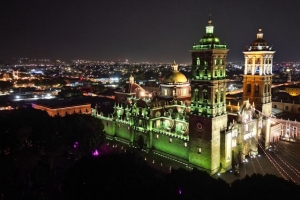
<point>190,119</point>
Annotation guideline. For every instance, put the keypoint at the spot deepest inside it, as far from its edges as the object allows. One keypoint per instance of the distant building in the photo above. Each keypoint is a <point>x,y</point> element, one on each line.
<point>62,108</point>
<point>293,90</point>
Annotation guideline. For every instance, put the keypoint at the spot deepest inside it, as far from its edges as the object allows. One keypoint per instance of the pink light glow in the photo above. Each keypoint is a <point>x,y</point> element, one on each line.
<point>179,191</point>
<point>95,153</point>
<point>75,145</point>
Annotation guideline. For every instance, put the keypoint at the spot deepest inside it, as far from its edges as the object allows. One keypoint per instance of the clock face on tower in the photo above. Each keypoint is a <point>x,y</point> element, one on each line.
<point>199,125</point>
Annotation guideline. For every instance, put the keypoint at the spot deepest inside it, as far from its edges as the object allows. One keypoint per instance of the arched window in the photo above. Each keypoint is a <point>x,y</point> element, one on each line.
<point>205,71</point>
<point>256,88</point>
<point>266,88</point>
<point>257,70</point>
<point>248,87</point>
<point>196,95</point>
<point>204,96</point>
<point>222,96</point>
<point>216,96</point>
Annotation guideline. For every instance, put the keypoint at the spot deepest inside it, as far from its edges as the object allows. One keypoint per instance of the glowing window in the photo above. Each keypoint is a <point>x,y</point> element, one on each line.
<point>157,136</point>
<point>165,92</point>
<point>199,150</point>
<point>198,61</point>
<point>185,144</point>
<point>170,140</point>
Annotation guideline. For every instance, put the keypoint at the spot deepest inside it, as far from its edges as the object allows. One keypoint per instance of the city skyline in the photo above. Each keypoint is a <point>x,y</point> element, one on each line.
<point>148,31</point>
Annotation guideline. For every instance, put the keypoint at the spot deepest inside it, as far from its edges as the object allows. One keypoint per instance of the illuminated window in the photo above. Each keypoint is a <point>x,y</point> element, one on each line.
<point>185,144</point>
<point>198,61</point>
<point>165,92</point>
<point>199,150</point>
<point>157,136</point>
<point>170,140</point>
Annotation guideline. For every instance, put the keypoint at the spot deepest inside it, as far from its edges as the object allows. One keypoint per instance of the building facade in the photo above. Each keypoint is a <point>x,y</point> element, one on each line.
<point>200,130</point>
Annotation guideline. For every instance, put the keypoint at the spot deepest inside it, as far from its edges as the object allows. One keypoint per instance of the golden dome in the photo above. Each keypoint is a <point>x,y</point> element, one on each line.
<point>175,77</point>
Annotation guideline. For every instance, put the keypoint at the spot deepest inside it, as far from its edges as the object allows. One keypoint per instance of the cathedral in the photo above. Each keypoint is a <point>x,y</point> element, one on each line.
<point>191,119</point>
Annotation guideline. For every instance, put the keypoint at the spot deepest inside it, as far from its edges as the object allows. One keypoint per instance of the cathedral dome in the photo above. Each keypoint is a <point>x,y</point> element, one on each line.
<point>132,88</point>
<point>175,77</point>
<point>259,43</point>
<point>209,38</point>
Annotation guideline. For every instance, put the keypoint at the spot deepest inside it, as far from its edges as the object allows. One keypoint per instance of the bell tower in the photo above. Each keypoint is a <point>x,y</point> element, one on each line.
<point>208,115</point>
<point>258,79</point>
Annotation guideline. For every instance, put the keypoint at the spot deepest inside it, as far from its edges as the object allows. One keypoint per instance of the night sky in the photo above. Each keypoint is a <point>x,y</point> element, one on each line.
<point>143,30</point>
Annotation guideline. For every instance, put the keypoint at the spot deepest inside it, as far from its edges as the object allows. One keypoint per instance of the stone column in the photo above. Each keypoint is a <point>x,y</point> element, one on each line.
<point>271,65</point>
<point>265,66</point>
<point>261,66</point>
<point>253,65</point>
<point>246,65</point>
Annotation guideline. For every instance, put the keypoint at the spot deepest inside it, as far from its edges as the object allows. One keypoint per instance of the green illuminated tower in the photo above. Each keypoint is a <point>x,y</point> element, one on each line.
<point>208,117</point>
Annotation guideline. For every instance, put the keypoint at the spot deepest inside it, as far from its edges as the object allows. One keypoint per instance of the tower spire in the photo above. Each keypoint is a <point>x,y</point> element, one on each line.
<point>209,16</point>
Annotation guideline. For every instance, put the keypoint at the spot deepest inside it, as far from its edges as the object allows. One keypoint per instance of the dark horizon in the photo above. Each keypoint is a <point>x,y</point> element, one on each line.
<point>147,31</point>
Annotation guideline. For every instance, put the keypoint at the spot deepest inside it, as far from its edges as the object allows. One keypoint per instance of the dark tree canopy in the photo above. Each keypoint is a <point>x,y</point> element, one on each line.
<point>34,150</point>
